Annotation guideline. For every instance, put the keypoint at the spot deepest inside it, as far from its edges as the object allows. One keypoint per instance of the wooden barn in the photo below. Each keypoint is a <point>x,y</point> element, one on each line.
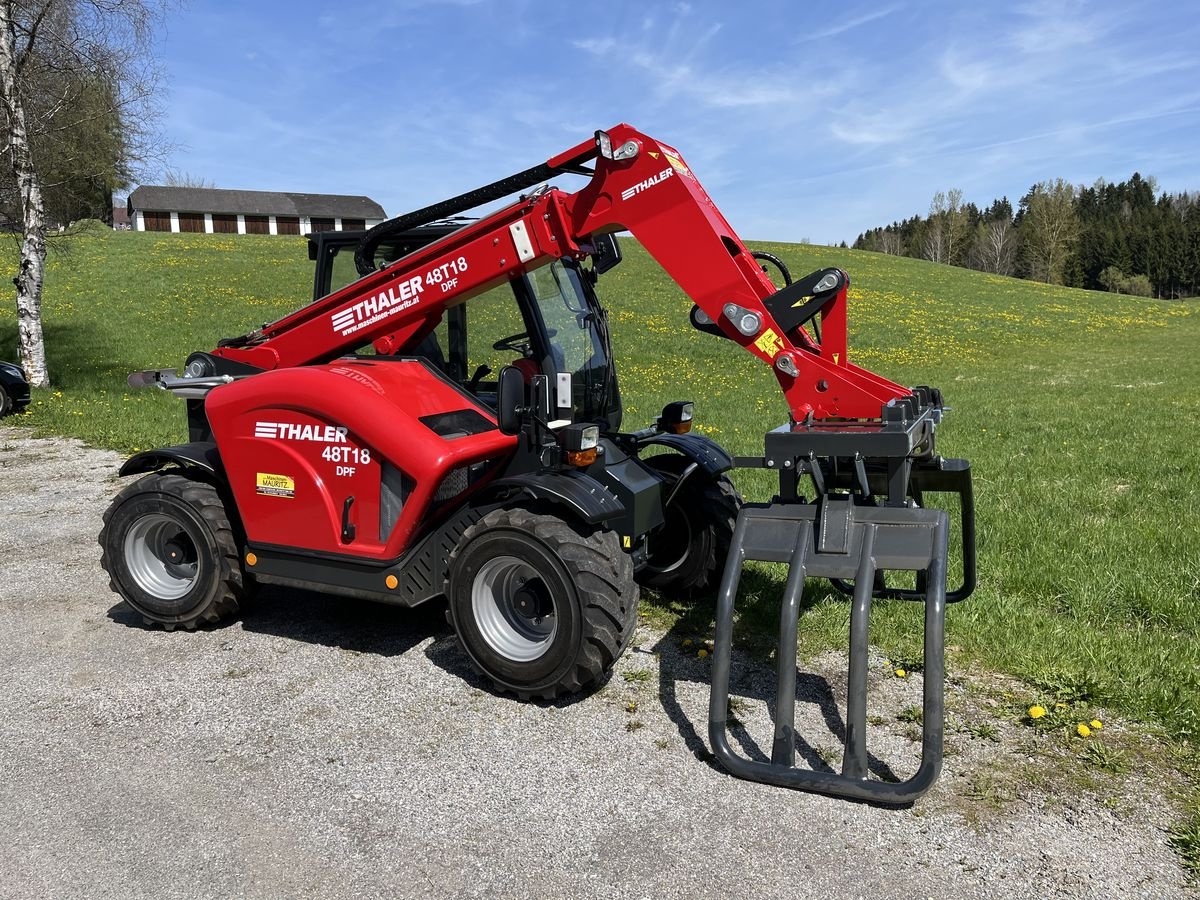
<point>218,211</point>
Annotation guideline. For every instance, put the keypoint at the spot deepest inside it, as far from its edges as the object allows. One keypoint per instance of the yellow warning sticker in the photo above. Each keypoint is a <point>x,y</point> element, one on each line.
<point>769,343</point>
<point>836,357</point>
<point>655,155</point>
<point>626,541</point>
<point>276,485</point>
<point>679,166</point>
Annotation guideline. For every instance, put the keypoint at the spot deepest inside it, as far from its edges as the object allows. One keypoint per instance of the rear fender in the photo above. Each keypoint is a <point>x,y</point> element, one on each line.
<point>201,455</point>
<point>579,494</point>
<point>705,452</point>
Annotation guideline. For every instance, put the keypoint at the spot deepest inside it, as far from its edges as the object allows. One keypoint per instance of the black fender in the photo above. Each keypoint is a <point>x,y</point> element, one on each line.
<point>584,496</point>
<point>705,452</point>
<point>201,455</point>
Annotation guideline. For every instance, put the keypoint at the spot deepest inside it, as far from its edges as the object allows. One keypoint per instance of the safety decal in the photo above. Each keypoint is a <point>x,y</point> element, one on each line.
<point>769,343</point>
<point>678,164</point>
<point>680,167</point>
<point>275,485</point>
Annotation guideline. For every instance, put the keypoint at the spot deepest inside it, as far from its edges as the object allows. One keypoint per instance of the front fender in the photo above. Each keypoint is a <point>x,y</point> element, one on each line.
<point>200,455</point>
<point>578,492</point>
<point>705,452</point>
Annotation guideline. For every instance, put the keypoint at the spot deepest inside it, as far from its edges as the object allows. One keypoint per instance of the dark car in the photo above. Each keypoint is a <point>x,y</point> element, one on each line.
<point>14,389</point>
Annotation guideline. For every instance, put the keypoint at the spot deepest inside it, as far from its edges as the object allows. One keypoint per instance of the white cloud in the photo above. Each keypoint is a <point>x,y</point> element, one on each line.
<point>849,24</point>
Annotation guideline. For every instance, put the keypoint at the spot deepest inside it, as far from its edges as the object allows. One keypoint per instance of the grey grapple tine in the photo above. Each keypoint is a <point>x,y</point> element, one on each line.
<point>854,760</point>
<point>783,750</point>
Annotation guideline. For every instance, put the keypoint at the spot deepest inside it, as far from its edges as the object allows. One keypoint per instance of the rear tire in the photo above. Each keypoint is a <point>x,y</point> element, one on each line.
<point>170,552</point>
<point>542,606</point>
<point>6,402</point>
<point>687,554</point>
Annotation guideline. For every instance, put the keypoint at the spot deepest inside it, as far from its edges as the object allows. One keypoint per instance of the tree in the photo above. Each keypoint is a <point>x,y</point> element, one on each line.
<point>891,243</point>
<point>995,246</point>
<point>76,104</point>
<point>173,178</point>
<point>934,244</point>
<point>957,226</point>
<point>1049,227</point>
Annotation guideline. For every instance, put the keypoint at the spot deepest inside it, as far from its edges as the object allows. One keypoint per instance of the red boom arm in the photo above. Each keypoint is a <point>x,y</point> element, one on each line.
<point>644,187</point>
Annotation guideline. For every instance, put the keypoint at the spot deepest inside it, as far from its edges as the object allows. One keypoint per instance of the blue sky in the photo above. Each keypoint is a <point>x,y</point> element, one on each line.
<point>803,119</point>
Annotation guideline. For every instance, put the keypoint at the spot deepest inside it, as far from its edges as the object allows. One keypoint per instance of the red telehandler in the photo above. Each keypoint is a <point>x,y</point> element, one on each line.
<point>362,446</point>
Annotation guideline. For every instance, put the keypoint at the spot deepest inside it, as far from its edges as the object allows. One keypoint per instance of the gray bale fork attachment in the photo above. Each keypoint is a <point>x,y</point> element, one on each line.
<point>865,520</point>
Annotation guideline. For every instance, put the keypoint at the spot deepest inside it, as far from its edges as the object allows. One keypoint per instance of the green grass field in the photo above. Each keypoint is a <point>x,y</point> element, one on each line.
<point>1078,411</point>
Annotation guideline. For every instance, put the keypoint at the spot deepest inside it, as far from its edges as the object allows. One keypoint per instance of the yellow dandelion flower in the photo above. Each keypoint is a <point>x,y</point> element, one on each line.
<point>1082,730</point>
<point>702,654</point>
<point>1036,712</point>
<point>687,642</point>
<point>1096,724</point>
<point>900,673</point>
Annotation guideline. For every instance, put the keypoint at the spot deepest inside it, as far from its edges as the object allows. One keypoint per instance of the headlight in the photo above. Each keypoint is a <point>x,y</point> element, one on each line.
<point>676,417</point>
<point>580,443</point>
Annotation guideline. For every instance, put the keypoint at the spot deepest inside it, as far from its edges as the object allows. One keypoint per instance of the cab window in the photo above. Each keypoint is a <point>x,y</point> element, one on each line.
<point>496,336</point>
<point>575,344</point>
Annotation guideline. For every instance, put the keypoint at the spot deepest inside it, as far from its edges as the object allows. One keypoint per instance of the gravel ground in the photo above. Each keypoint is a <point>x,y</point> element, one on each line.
<point>327,748</point>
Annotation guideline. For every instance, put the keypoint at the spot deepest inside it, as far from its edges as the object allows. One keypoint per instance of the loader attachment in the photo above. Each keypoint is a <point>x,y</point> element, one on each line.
<point>865,520</point>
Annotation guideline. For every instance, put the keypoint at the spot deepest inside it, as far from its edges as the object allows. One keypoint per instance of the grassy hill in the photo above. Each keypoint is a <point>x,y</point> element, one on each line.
<point>1078,411</point>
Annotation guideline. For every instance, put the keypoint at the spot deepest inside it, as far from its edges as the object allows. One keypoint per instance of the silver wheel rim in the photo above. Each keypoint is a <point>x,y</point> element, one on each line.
<point>495,604</point>
<point>161,556</point>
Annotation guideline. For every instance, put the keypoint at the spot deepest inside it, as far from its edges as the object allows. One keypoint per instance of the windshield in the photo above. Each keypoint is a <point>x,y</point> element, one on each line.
<point>573,328</point>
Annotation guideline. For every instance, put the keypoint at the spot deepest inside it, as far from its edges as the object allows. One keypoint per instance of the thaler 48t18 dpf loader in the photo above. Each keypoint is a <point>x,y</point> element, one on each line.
<point>362,446</point>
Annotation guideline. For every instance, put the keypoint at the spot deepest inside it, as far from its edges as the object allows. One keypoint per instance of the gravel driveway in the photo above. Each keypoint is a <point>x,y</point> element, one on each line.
<point>322,747</point>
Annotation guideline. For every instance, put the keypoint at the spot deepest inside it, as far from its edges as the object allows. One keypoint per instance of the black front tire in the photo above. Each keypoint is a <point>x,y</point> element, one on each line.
<point>170,552</point>
<point>543,607</point>
<point>6,402</point>
<point>687,554</point>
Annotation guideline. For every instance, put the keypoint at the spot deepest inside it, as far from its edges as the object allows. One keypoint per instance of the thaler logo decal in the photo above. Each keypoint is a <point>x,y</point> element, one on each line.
<point>287,431</point>
<point>398,297</point>
<point>645,185</point>
<point>386,303</point>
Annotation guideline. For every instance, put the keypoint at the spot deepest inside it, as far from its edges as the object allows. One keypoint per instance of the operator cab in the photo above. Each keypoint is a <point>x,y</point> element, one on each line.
<point>548,321</point>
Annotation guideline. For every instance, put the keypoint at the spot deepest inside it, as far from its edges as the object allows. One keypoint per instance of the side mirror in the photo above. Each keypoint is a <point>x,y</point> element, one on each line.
<point>510,400</point>
<point>606,253</point>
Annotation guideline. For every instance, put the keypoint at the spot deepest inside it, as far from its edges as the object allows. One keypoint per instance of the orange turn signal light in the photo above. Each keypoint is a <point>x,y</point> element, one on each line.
<point>251,559</point>
<point>391,581</point>
<point>680,427</point>
<point>581,457</point>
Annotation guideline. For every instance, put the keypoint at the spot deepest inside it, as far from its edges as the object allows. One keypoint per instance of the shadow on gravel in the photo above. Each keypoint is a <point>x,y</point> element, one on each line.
<point>360,626</point>
<point>749,680</point>
<point>450,657</point>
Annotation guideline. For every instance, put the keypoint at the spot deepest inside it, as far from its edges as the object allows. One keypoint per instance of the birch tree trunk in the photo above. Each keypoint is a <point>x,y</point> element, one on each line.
<point>31,346</point>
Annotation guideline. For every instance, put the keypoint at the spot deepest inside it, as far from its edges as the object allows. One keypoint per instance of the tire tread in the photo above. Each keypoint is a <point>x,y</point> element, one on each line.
<point>603,576</point>
<point>233,591</point>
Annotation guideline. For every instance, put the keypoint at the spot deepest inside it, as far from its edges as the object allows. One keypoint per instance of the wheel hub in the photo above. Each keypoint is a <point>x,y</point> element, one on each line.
<point>532,601</point>
<point>161,557</point>
<point>513,608</point>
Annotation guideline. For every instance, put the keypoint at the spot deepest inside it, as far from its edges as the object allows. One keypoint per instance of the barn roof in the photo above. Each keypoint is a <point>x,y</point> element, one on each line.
<point>255,203</point>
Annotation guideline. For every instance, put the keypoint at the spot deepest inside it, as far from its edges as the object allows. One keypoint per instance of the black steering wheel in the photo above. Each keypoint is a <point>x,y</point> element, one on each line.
<point>519,342</point>
<point>514,343</point>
